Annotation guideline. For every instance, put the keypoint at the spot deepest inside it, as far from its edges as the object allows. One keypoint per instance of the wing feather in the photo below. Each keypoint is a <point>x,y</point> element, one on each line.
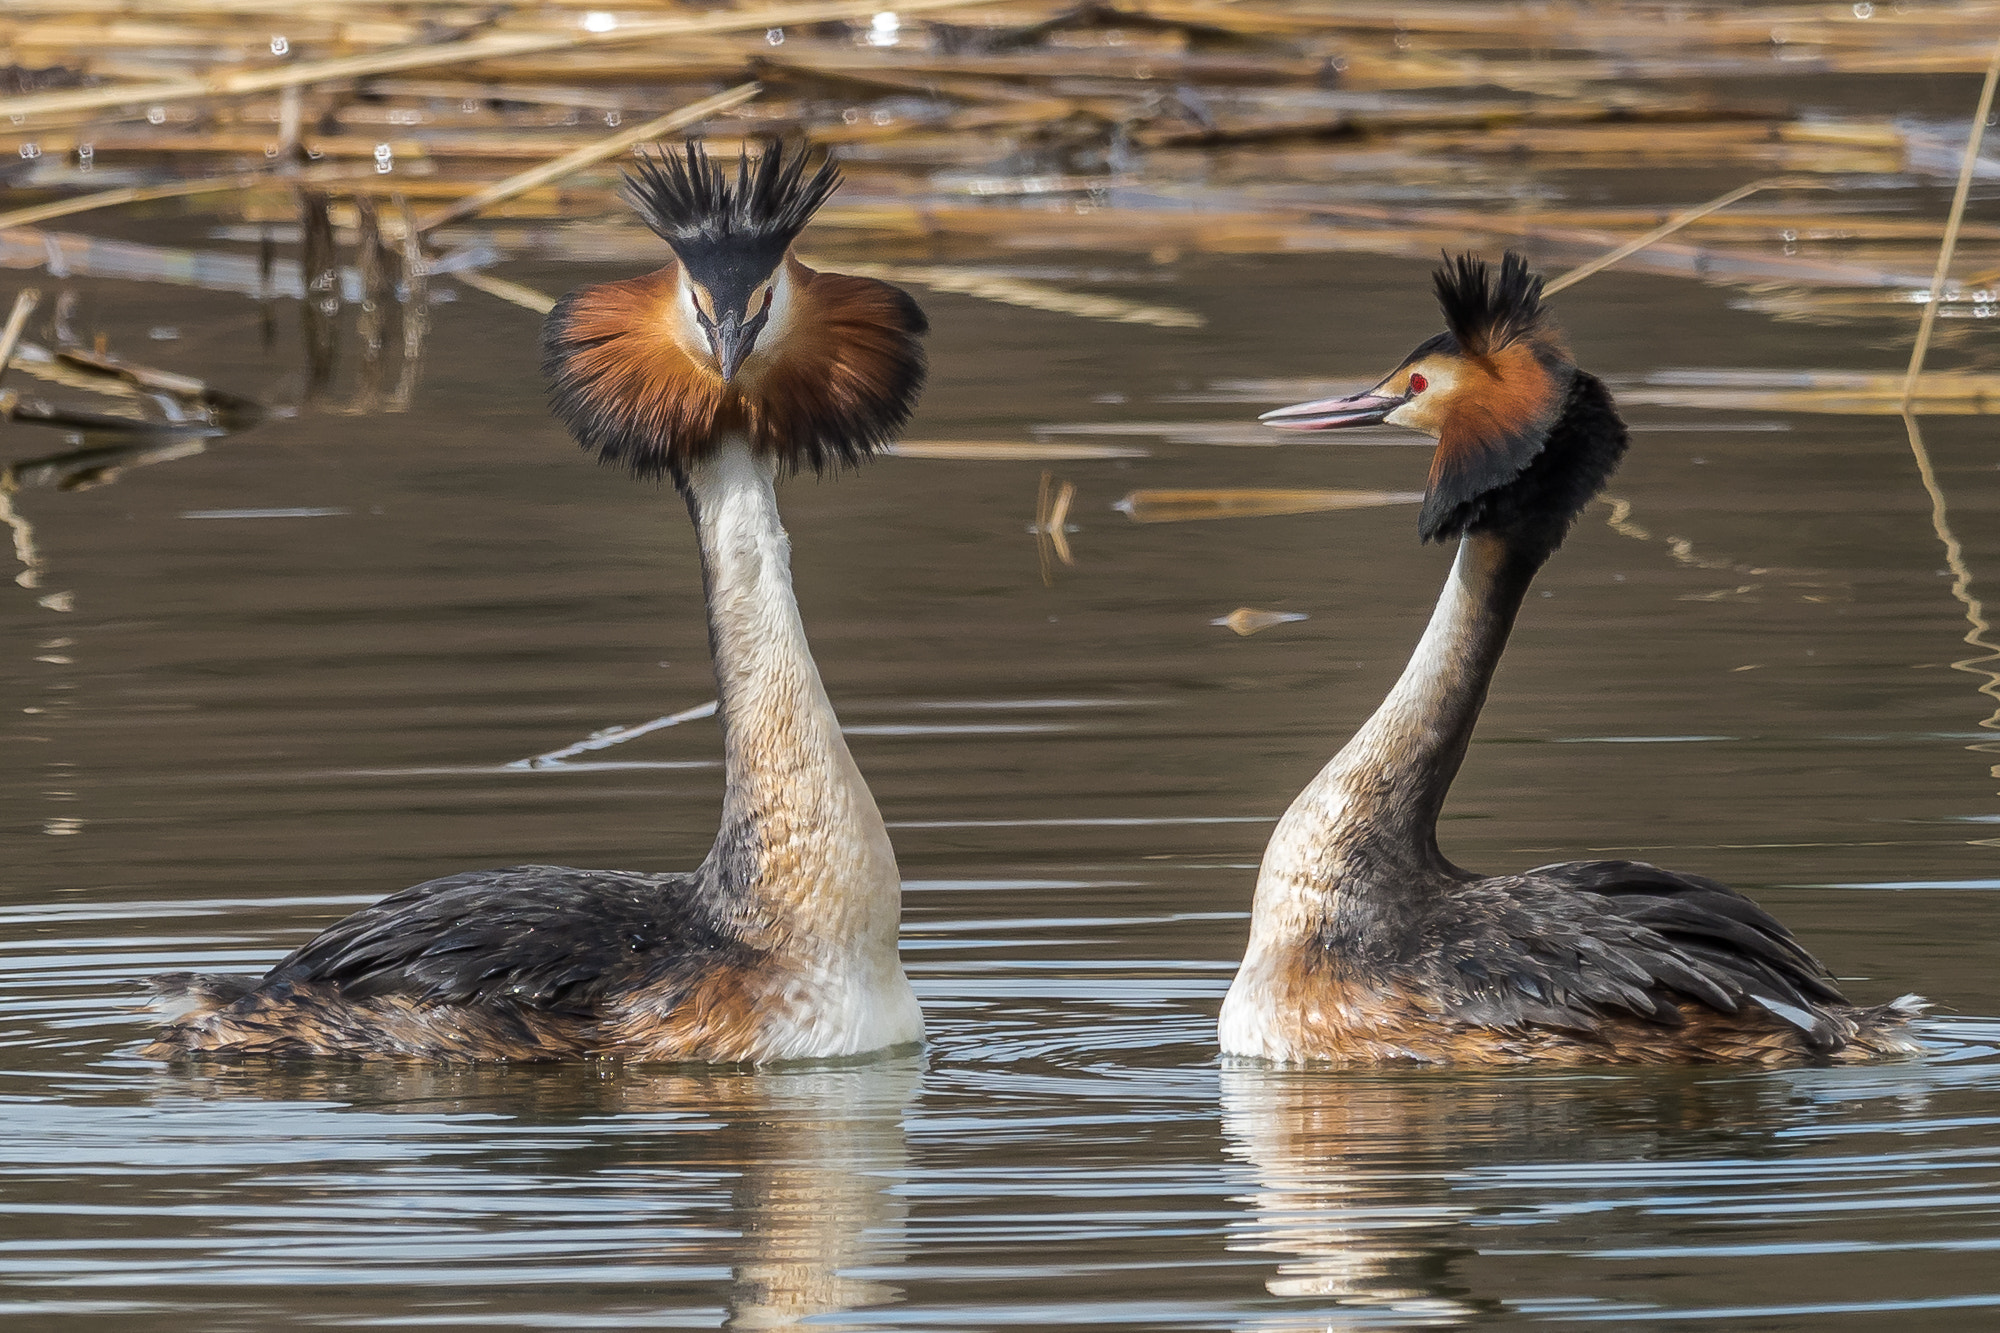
<point>544,937</point>
<point>1567,946</point>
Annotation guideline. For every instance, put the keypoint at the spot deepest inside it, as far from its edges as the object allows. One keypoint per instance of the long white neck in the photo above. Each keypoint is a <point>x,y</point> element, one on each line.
<point>1370,817</point>
<point>802,865</point>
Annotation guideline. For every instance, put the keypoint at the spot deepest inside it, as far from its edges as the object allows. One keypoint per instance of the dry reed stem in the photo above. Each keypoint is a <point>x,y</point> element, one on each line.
<point>1030,295</point>
<point>1950,243</point>
<point>570,163</point>
<point>138,194</point>
<point>1666,229</point>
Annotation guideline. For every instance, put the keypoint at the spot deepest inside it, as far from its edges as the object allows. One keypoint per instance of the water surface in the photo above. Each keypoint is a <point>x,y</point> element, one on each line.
<point>258,687</point>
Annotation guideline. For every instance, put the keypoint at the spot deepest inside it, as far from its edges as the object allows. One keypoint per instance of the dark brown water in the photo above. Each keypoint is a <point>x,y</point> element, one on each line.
<point>259,687</point>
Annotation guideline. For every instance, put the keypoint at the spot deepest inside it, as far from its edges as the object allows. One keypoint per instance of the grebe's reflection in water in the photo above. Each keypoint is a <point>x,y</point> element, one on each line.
<point>817,1198</point>
<point>544,1176</point>
<point>1374,1189</point>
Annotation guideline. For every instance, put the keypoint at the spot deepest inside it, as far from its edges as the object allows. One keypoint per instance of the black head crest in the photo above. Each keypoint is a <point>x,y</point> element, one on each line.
<point>1486,315</point>
<point>1524,449</point>
<point>718,226</point>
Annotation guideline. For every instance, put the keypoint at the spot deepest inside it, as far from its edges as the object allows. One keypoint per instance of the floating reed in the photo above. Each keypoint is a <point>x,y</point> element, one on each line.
<point>1248,620</point>
<point>1181,506</point>
<point>1832,392</point>
<point>1009,451</point>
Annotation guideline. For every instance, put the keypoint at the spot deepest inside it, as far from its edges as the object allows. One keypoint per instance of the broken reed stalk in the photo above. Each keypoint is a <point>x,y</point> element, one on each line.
<point>518,293</point>
<point>488,47</point>
<point>1666,229</point>
<point>24,306</point>
<point>139,194</point>
<point>571,163</point>
<point>1950,243</point>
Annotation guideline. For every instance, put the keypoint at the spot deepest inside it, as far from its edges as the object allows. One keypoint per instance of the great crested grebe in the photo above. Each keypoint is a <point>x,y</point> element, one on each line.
<point>1366,945</point>
<point>718,371</point>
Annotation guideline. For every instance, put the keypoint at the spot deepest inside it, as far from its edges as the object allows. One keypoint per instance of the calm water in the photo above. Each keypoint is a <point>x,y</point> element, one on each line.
<point>293,670</point>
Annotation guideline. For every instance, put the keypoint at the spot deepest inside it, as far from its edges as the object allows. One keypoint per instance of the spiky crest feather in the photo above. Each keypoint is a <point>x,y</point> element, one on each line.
<point>1486,315</point>
<point>690,203</point>
<point>1521,380</point>
<point>836,388</point>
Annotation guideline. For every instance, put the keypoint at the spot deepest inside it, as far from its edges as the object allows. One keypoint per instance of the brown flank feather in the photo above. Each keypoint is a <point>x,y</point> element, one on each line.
<point>836,389</point>
<point>1345,1020</point>
<point>718,1016</point>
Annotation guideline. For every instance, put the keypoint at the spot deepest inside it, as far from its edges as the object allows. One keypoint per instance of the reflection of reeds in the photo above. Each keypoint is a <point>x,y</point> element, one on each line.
<point>320,270</point>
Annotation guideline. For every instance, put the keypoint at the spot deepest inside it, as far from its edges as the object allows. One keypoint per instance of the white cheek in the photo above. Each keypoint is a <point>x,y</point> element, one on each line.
<point>781,309</point>
<point>1410,416</point>
<point>687,330</point>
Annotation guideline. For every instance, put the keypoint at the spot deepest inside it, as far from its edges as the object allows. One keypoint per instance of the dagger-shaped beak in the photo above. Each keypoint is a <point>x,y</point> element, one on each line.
<point>1367,408</point>
<point>731,341</point>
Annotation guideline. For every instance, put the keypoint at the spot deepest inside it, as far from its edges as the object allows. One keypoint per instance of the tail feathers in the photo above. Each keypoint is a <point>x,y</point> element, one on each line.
<point>178,996</point>
<point>1884,1029</point>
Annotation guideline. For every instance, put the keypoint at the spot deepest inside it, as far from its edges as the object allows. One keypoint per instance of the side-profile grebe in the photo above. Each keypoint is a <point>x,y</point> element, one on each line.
<point>1368,946</point>
<point>719,370</point>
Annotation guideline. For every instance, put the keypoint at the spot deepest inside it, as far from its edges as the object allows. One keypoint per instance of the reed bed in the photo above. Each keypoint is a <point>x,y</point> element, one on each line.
<point>354,156</point>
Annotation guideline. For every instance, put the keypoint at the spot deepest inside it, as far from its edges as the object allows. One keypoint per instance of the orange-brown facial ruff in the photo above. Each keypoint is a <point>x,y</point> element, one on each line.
<point>1505,378</point>
<point>835,388</point>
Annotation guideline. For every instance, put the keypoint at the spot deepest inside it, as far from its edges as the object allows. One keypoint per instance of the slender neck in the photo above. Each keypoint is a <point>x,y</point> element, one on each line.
<point>1374,807</point>
<point>802,858</point>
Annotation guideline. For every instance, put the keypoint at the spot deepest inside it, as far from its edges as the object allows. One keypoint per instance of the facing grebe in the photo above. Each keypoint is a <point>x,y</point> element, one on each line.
<point>717,371</point>
<point>1366,944</point>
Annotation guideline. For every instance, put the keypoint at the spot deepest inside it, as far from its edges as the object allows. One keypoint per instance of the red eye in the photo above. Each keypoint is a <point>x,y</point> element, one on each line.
<point>1418,384</point>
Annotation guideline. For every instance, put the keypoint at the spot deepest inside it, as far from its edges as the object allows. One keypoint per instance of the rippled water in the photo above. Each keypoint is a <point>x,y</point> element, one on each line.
<point>294,670</point>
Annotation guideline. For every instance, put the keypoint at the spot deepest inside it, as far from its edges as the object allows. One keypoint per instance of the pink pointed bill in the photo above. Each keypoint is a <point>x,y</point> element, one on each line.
<point>1360,409</point>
